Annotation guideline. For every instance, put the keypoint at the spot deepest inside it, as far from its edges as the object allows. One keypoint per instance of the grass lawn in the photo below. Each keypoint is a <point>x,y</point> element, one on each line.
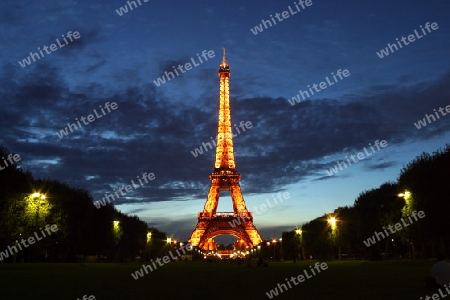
<point>402,279</point>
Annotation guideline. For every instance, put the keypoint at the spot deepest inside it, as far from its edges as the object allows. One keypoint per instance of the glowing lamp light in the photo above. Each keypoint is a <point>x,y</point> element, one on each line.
<point>298,231</point>
<point>332,221</point>
<point>169,240</point>
<point>405,194</point>
<point>38,195</point>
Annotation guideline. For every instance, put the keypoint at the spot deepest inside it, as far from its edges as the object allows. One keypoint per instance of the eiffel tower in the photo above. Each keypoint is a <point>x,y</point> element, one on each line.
<point>211,223</point>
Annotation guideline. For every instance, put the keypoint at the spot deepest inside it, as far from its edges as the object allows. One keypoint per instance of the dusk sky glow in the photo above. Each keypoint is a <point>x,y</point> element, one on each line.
<point>153,129</point>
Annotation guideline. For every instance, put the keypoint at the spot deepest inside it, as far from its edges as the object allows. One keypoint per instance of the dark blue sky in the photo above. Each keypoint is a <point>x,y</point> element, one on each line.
<point>154,129</point>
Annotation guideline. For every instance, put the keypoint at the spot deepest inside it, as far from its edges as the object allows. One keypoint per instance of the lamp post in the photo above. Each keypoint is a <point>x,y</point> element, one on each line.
<point>149,245</point>
<point>37,199</point>
<point>405,211</point>
<point>38,205</point>
<point>332,222</point>
<point>334,232</point>
<point>116,230</point>
<point>274,243</point>
<point>280,249</point>
<point>117,234</point>
<point>299,232</point>
<point>407,196</point>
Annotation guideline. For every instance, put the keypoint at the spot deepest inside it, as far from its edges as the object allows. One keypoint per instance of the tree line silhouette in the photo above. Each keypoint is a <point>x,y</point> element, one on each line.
<point>420,186</point>
<point>85,233</point>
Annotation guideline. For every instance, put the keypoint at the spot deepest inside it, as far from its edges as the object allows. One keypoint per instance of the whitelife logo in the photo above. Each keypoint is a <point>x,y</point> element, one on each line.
<point>360,156</point>
<point>199,150</point>
<point>274,292</point>
<point>246,217</point>
<point>398,226</point>
<point>128,189</point>
<point>323,85</point>
<point>435,296</point>
<point>124,9</point>
<point>165,260</point>
<point>10,157</point>
<point>285,14</point>
<point>85,297</point>
<point>90,118</point>
<point>53,228</point>
<point>423,123</point>
<point>161,80</point>
<point>411,38</point>
<point>27,61</point>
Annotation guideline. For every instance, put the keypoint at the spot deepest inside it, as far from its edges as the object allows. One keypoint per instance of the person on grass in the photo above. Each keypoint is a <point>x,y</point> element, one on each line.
<point>440,272</point>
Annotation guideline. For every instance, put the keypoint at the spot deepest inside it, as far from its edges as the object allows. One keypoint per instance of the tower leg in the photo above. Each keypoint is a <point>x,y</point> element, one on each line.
<point>213,200</point>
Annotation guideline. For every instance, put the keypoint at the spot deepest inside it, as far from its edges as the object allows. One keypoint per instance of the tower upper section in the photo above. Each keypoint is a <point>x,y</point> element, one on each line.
<point>224,68</point>
<point>224,147</point>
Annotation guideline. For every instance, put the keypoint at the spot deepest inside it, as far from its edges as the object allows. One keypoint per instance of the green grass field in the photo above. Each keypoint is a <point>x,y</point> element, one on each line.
<point>365,280</point>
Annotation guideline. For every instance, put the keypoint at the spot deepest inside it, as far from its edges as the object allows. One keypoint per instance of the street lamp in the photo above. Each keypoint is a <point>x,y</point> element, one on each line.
<point>116,230</point>
<point>407,196</point>
<point>302,252</point>
<point>333,223</point>
<point>405,211</point>
<point>38,205</point>
<point>38,195</point>
<point>274,243</point>
<point>37,199</point>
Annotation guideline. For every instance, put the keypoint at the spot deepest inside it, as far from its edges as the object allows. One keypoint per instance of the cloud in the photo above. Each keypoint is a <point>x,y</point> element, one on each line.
<point>151,133</point>
<point>380,166</point>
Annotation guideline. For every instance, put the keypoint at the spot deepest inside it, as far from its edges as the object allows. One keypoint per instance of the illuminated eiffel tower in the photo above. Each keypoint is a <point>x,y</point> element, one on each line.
<point>211,223</point>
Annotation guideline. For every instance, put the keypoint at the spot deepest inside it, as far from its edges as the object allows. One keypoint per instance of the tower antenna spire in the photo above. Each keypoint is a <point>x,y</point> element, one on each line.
<point>224,60</point>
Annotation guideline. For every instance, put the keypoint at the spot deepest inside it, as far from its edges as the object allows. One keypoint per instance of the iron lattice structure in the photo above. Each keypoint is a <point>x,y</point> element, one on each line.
<point>211,223</point>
